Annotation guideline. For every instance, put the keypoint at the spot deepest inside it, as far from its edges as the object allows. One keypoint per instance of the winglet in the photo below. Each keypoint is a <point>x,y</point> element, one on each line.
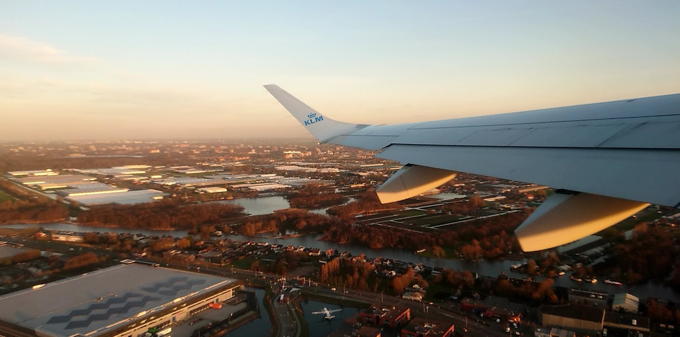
<point>320,126</point>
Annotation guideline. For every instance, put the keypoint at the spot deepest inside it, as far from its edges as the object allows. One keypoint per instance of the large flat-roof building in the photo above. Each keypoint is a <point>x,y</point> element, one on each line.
<point>626,302</point>
<point>125,300</point>
<point>8,253</point>
<point>54,181</point>
<point>594,298</point>
<point>119,197</point>
<point>90,189</point>
<point>35,173</point>
<point>573,316</point>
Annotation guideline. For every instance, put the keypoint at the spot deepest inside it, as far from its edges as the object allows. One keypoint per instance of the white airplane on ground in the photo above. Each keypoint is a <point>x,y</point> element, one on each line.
<point>606,161</point>
<point>327,313</point>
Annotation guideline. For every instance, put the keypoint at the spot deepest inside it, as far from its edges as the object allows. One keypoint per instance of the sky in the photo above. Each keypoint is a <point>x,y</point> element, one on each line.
<point>74,70</point>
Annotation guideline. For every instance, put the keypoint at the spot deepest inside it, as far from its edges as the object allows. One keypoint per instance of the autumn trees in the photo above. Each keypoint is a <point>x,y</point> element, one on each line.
<point>471,206</point>
<point>351,273</point>
<point>28,211</point>
<point>298,220</point>
<point>165,214</point>
<point>651,254</point>
<point>317,200</point>
<point>81,260</point>
<point>409,278</point>
<point>27,207</point>
<point>662,312</point>
<point>28,255</point>
<point>315,196</point>
<point>542,292</point>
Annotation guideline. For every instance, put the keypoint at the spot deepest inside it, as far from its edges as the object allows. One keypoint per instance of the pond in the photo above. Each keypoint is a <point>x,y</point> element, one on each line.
<point>447,196</point>
<point>260,206</point>
<point>267,205</point>
<point>317,324</point>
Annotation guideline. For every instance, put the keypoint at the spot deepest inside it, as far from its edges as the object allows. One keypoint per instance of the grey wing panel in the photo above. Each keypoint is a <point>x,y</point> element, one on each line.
<point>372,137</point>
<point>664,105</point>
<point>649,123</point>
<point>642,175</point>
<point>662,132</point>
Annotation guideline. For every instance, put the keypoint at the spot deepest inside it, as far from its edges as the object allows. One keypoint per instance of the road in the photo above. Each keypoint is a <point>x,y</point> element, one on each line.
<point>289,325</point>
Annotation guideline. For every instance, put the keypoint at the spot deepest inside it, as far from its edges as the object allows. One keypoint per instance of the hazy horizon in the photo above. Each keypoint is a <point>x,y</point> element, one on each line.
<point>171,70</point>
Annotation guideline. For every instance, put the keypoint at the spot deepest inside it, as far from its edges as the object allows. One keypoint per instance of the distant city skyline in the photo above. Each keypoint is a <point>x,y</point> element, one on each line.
<point>160,69</point>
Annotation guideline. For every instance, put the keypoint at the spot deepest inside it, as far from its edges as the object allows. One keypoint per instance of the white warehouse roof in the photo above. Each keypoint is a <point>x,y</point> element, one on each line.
<point>103,300</point>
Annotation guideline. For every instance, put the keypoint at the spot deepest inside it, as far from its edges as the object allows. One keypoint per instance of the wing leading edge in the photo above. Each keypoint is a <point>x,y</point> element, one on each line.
<point>618,155</point>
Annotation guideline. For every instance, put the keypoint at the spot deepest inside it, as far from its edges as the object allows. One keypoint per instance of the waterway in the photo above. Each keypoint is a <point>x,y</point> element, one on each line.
<point>318,325</point>
<point>483,267</point>
<point>260,206</point>
<point>266,205</point>
<point>491,268</point>
<point>447,196</point>
<point>260,326</point>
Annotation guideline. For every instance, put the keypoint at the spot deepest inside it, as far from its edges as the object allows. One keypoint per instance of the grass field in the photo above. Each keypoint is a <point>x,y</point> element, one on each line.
<point>434,220</point>
<point>4,196</point>
<point>244,263</point>
<point>411,212</point>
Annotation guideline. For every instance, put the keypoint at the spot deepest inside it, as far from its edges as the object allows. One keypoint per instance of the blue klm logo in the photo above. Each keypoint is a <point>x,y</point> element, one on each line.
<point>313,118</point>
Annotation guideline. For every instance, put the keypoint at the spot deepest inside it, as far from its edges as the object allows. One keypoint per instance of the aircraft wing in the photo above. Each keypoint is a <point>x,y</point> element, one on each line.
<point>607,161</point>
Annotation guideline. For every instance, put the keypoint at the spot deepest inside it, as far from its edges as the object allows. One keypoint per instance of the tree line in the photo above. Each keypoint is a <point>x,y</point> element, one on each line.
<point>28,207</point>
<point>313,196</point>
<point>652,254</point>
<point>366,202</point>
<point>291,219</point>
<point>165,214</point>
<point>317,200</point>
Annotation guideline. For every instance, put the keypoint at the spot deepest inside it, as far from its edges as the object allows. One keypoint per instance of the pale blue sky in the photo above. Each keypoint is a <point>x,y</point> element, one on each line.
<point>149,69</point>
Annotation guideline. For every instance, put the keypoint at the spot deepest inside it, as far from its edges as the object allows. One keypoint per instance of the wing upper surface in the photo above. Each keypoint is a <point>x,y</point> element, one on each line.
<point>607,160</point>
<point>643,123</point>
<point>626,149</point>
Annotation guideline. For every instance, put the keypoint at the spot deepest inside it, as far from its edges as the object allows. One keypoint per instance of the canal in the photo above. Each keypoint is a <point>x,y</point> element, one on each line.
<point>266,205</point>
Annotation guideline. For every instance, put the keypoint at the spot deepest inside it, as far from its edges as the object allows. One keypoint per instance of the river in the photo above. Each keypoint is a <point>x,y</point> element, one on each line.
<point>260,326</point>
<point>266,205</point>
<point>486,268</point>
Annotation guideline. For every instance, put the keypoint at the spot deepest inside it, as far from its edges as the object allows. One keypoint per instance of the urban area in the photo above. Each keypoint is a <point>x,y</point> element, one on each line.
<point>287,238</point>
